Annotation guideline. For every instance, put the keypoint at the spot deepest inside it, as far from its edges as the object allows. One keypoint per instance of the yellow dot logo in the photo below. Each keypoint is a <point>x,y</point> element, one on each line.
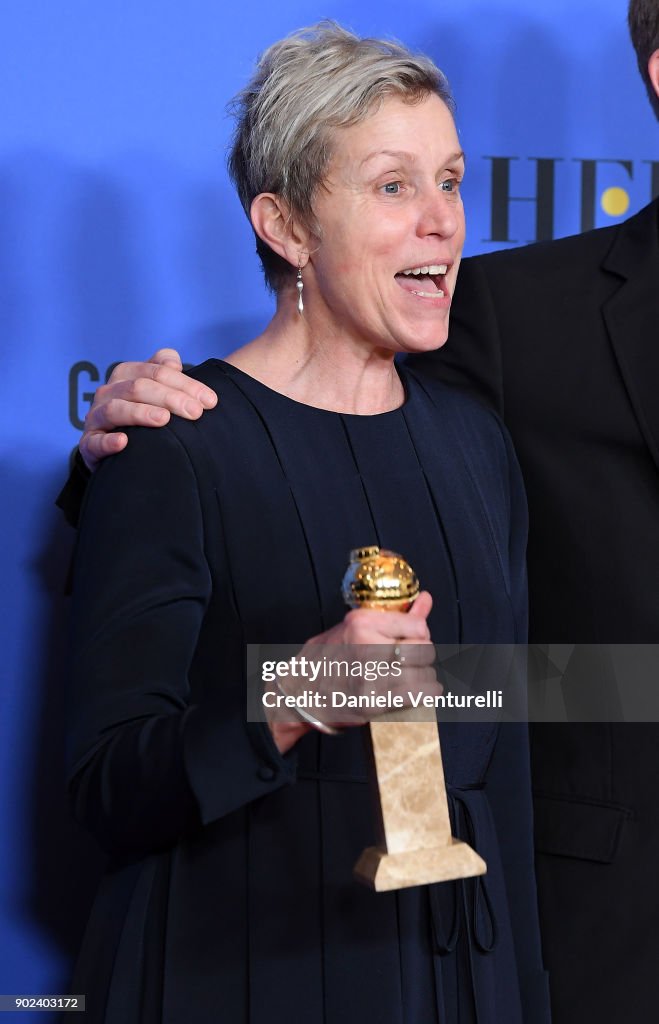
<point>615,202</point>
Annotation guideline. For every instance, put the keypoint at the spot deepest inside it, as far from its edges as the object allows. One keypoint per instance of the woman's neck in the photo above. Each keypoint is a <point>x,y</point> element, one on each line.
<point>321,369</point>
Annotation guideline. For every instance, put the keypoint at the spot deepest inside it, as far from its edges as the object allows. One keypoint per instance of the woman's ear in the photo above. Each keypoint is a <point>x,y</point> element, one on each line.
<point>273,223</point>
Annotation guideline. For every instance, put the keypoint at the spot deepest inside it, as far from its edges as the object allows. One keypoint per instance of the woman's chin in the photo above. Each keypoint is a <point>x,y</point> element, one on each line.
<point>426,341</point>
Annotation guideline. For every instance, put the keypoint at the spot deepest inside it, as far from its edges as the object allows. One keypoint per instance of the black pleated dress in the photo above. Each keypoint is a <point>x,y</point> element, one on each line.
<point>230,895</point>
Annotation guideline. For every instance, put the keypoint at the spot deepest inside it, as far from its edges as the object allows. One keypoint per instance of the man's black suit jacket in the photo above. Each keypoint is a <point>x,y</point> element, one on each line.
<point>562,338</point>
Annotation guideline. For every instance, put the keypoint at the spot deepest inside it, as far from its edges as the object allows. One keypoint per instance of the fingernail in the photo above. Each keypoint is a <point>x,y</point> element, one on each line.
<point>191,409</point>
<point>158,415</point>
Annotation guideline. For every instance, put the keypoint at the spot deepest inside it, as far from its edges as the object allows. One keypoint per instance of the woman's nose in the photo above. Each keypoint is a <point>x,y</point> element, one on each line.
<point>442,214</point>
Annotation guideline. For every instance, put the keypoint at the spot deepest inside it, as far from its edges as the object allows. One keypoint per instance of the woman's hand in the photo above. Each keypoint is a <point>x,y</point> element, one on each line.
<point>366,626</point>
<point>364,635</point>
<point>141,394</point>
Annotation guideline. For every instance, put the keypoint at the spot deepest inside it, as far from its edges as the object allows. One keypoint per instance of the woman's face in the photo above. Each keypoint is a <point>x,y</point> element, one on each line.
<point>390,204</point>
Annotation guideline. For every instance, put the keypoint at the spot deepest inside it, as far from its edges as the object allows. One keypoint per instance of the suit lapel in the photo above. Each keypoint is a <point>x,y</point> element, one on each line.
<point>631,316</point>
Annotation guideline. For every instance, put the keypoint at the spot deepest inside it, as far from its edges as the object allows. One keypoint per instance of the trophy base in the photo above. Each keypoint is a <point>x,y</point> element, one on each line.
<point>384,871</point>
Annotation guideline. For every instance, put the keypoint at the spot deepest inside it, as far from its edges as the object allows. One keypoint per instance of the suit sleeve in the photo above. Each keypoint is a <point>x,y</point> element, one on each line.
<point>509,788</point>
<point>147,763</point>
<point>471,358</point>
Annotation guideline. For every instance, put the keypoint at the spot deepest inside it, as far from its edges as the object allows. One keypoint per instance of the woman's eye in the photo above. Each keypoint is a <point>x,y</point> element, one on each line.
<point>392,188</point>
<point>450,185</point>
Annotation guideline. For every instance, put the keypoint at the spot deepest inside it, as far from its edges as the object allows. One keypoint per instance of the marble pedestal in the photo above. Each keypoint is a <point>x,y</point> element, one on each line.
<point>415,843</point>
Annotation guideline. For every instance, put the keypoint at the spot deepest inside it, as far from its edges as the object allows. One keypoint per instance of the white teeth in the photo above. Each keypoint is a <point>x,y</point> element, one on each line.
<point>429,295</point>
<point>434,268</point>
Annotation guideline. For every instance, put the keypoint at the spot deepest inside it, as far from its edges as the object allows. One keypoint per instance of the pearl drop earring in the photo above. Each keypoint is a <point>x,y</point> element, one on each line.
<point>299,284</point>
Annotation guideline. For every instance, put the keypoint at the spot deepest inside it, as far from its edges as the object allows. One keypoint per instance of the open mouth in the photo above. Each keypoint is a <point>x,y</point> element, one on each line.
<point>426,281</point>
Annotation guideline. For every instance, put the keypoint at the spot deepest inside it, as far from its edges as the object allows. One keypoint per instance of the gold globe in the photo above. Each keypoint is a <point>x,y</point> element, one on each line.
<point>380,579</point>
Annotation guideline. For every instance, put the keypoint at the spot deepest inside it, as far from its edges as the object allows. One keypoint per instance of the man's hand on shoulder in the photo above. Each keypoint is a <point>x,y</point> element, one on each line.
<point>141,394</point>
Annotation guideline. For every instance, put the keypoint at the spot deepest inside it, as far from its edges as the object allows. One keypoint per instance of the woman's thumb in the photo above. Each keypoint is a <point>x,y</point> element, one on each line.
<point>422,606</point>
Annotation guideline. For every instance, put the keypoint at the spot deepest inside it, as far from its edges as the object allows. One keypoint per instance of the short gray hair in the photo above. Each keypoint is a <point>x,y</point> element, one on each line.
<point>305,86</point>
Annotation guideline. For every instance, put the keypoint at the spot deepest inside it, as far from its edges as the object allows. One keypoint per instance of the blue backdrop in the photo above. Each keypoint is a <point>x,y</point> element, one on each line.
<point>119,233</point>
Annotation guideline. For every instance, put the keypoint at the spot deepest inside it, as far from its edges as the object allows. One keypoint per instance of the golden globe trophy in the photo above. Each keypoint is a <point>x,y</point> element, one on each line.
<point>415,844</point>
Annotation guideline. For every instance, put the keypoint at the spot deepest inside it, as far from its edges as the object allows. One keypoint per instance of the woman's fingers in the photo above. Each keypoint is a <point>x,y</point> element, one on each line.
<point>368,626</point>
<point>413,655</point>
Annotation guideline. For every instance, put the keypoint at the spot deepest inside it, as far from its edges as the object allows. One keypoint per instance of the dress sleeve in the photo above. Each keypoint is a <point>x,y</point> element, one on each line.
<point>471,358</point>
<point>147,763</point>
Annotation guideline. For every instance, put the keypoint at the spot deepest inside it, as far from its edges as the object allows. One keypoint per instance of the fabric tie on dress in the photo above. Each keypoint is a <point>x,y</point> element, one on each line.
<point>463,917</point>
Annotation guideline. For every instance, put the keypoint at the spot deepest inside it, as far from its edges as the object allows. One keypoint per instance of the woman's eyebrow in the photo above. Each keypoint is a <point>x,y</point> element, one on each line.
<point>398,154</point>
<point>402,155</point>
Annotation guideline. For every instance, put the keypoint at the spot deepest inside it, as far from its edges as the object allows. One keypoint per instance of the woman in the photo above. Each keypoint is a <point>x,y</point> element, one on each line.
<point>231,895</point>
